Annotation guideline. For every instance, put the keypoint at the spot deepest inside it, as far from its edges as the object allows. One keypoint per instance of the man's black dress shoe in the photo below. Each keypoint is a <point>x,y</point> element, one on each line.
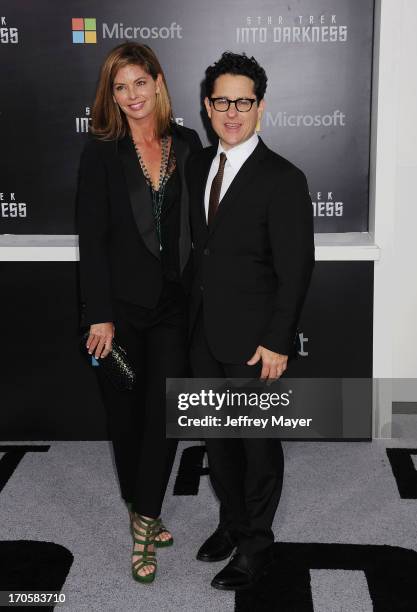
<point>243,571</point>
<point>217,547</point>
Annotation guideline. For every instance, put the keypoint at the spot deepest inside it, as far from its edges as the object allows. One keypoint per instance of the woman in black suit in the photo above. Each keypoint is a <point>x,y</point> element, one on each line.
<point>134,242</point>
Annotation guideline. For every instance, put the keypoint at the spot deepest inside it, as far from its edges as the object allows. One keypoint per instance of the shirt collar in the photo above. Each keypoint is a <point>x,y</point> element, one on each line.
<point>237,155</point>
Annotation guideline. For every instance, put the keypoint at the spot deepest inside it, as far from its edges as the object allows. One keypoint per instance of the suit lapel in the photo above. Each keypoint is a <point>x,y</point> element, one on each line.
<point>139,195</point>
<point>244,177</point>
<point>209,155</point>
<point>181,151</point>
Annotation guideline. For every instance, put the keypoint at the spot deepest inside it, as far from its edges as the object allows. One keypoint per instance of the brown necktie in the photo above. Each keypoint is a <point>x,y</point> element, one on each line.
<point>215,189</point>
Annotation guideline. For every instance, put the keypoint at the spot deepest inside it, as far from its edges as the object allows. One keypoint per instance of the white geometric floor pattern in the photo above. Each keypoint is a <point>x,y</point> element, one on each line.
<point>333,493</point>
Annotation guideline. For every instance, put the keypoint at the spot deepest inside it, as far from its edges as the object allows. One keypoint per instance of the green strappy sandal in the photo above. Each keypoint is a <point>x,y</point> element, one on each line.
<point>147,558</point>
<point>160,529</point>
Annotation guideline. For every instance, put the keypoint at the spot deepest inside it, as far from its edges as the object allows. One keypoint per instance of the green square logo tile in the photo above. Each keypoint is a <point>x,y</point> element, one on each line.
<point>89,24</point>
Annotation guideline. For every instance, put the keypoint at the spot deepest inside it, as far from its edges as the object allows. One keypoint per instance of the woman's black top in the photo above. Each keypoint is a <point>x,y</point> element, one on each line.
<point>170,228</point>
<point>119,254</point>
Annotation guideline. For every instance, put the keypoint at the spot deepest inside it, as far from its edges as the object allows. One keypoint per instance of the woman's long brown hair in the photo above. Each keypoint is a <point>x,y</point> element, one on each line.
<point>108,122</point>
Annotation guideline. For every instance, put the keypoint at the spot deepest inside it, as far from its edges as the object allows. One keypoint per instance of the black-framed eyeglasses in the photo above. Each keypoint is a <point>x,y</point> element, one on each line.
<point>243,105</point>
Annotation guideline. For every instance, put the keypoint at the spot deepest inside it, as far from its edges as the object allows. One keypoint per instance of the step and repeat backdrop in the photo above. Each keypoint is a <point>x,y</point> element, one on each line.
<point>317,55</point>
<point>318,58</point>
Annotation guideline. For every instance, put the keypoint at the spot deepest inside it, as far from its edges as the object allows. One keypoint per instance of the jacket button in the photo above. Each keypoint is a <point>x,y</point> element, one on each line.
<point>206,251</point>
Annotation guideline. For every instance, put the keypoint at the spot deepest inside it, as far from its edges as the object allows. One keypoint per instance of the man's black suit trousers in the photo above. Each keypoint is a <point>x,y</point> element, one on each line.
<point>246,474</point>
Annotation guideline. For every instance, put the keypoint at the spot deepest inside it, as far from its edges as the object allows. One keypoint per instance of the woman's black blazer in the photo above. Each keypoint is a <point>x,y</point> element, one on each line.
<point>118,244</point>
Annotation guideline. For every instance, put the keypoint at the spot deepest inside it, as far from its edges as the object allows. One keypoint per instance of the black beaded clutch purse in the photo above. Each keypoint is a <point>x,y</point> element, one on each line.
<point>116,366</point>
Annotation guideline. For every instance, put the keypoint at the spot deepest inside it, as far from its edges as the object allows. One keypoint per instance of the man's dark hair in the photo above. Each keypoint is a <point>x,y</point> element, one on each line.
<point>238,64</point>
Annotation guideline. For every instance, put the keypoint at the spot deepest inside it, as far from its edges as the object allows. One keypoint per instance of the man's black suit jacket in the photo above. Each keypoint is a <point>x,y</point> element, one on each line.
<point>253,266</point>
<point>118,243</point>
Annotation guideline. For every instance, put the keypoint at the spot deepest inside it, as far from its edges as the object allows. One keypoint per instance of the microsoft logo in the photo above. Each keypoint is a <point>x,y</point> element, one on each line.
<point>84,30</point>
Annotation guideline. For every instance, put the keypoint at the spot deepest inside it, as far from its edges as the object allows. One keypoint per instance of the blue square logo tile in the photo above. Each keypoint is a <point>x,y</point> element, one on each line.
<point>77,37</point>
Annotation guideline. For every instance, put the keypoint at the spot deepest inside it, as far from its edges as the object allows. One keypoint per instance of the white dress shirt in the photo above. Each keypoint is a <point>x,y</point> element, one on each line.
<point>236,157</point>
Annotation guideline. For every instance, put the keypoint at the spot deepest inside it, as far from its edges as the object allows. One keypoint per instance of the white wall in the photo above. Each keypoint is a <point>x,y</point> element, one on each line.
<point>393,206</point>
<point>405,229</point>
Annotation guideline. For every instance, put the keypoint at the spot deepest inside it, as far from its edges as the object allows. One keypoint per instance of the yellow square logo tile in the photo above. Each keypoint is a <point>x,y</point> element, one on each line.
<point>90,37</point>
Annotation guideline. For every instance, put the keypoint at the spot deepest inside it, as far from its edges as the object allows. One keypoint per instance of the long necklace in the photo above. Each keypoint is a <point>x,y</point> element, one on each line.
<point>157,194</point>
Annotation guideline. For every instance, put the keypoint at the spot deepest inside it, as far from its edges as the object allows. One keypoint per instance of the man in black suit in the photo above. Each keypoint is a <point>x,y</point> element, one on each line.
<point>252,232</point>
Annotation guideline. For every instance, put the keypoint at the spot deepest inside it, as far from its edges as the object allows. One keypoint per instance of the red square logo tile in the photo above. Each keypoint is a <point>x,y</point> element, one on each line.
<point>78,23</point>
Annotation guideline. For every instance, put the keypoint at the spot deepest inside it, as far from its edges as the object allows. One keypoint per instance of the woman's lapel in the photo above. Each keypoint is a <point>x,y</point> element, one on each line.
<point>181,151</point>
<point>139,195</point>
